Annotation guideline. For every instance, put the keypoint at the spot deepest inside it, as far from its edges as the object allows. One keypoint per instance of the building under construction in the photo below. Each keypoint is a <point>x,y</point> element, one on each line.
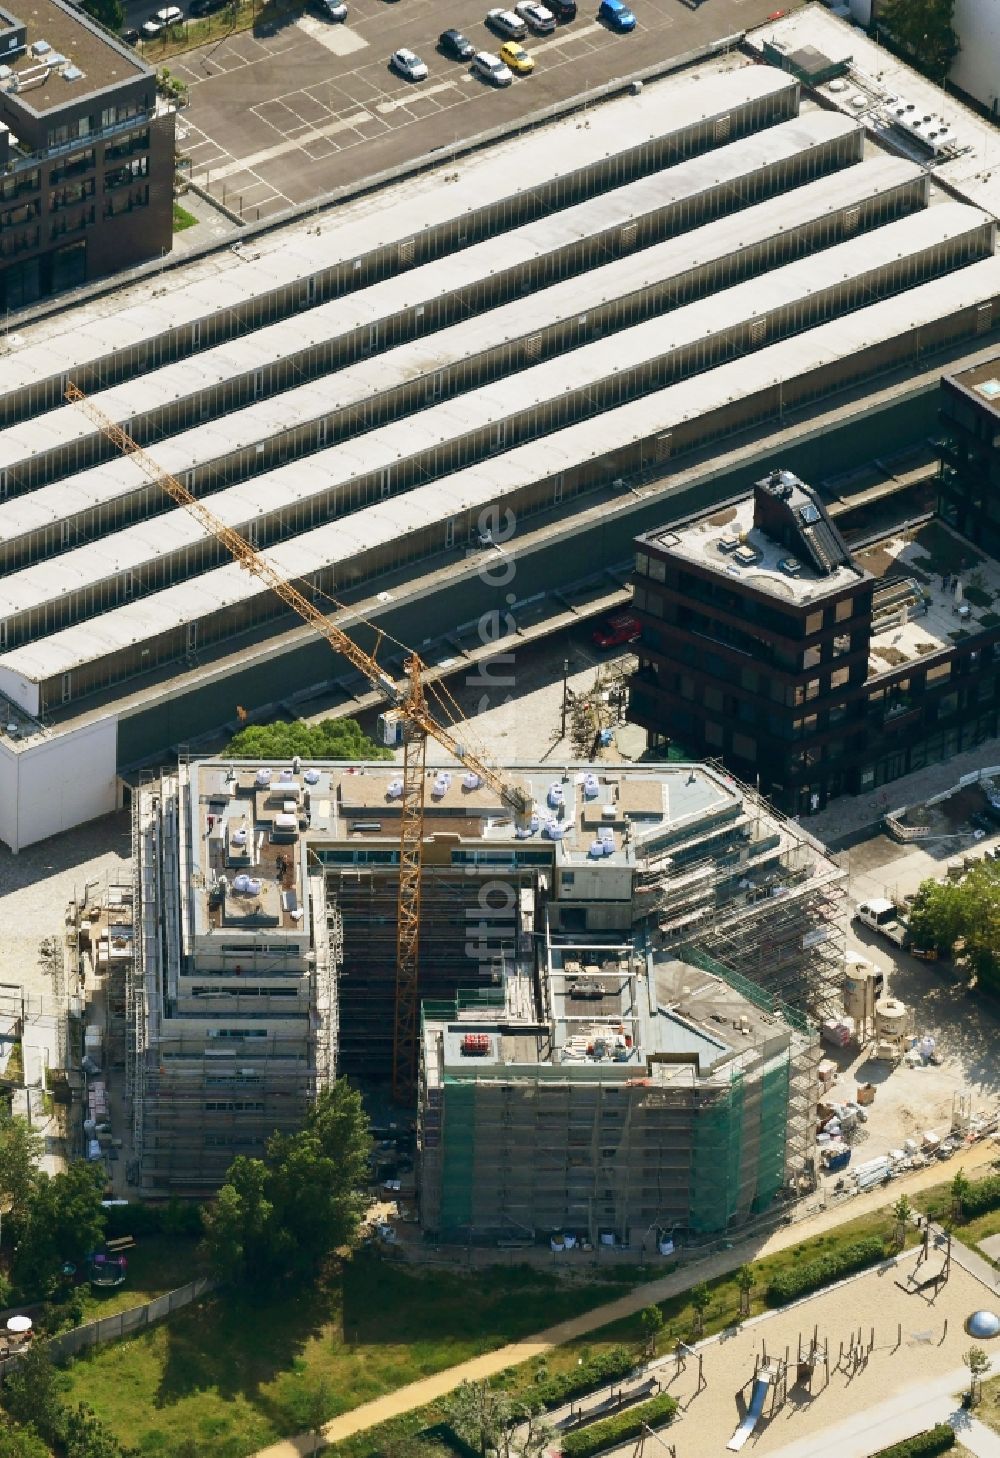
<point>606,954</point>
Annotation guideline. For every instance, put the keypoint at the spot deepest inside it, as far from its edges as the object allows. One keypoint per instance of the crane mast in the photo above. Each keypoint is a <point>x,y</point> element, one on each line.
<point>408,697</point>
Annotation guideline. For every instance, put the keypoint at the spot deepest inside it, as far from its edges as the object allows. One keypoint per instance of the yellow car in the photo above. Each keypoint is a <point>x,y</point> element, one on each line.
<point>517,58</point>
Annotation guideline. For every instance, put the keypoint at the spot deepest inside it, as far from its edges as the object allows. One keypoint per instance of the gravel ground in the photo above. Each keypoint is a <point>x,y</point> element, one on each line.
<point>37,885</point>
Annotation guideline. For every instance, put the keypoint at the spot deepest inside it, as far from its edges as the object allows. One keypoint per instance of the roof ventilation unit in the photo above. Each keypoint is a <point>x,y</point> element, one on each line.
<point>728,544</point>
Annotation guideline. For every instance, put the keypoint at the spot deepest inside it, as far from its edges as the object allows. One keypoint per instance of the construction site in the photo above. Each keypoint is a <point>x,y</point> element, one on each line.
<point>590,983</point>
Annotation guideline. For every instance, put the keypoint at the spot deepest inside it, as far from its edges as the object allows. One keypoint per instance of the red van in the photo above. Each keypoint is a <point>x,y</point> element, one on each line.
<point>617,630</point>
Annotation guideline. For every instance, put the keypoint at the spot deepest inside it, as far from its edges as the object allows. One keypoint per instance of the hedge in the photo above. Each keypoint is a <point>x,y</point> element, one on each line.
<point>921,1445</point>
<point>596,1372</point>
<point>609,1432</point>
<point>173,1217</point>
<point>811,1275</point>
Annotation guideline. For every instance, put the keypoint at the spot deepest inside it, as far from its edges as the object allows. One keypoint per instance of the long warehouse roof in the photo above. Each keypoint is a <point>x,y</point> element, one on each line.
<point>289,337</point>
<point>225,280</point>
<point>135,546</point>
<point>27,666</point>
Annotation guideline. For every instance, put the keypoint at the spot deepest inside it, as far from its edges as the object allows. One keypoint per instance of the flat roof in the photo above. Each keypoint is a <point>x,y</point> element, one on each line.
<point>915,615</point>
<point>131,316</point>
<point>340,317</point>
<point>875,79</point>
<point>704,541</point>
<point>983,381</point>
<point>500,400</point>
<point>101,58</point>
<point>389,520</point>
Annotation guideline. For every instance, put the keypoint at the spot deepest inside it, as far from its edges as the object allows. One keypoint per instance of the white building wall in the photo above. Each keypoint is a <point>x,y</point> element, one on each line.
<point>977,69</point>
<point>53,784</point>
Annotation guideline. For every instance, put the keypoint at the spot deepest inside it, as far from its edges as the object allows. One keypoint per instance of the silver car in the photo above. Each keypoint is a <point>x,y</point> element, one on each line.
<point>492,69</point>
<point>409,65</point>
<point>506,24</point>
<point>540,20</point>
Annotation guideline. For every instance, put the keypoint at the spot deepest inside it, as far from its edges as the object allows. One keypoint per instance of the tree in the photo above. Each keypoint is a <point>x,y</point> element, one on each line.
<point>701,1299</point>
<point>923,29</point>
<point>329,739</point>
<point>978,1364</point>
<point>286,1213</point>
<point>64,1222</point>
<point>489,1421</point>
<point>109,13</point>
<point>239,1231</point>
<point>745,1280</point>
<point>965,915</point>
<point>31,1394</point>
<point>20,1151</point>
<point>480,1413</point>
<point>651,1321</point>
<point>902,1213</point>
<point>18,1442</point>
<point>960,1188</point>
<point>311,1406</point>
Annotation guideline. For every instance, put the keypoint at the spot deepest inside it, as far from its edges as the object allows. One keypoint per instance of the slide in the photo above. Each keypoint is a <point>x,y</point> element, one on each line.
<point>754,1411</point>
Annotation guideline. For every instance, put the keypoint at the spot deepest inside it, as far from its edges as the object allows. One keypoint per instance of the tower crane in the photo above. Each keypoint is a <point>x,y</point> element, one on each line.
<point>407,697</point>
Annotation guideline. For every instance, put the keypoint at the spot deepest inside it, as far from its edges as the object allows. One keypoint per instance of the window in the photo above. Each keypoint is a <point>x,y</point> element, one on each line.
<point>657,569</point>
<point>844,610</point>
<point>839,677</point>
<point>713,698</point>
<point>939,673</point>
<point>642,563</point>
<point>713,734</point>
<point>841,644</point>
<point>811,657</point>
<point>748,679</point>
<point>744,747</point>
<point>814,623</point>
<point>812,689</point>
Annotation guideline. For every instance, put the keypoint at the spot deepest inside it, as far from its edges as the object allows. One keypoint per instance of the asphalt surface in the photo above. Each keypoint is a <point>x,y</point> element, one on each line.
<point>278,119</point>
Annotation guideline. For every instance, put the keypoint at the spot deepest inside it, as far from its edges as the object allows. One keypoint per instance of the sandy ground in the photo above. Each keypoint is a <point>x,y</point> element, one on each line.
<point>911,1346</point>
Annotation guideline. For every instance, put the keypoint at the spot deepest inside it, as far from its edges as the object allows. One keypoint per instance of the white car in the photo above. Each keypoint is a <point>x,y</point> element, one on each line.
<point>540,20</point>
<point>492,69</point>
<point>169,15</point>
<point>409,65</point>
<point>506,24</point>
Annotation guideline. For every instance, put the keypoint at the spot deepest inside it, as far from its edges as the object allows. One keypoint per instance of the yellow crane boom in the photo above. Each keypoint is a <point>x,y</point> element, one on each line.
<point>408,697</point>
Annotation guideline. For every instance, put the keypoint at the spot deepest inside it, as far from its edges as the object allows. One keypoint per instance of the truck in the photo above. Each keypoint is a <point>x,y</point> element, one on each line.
<point>883,916</point>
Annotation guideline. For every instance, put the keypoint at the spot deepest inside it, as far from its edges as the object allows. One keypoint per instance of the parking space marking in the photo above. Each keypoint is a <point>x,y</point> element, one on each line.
<point>566,35</point>
<point>411,98</point>
<point>341,40</point>
<point>281,149</point>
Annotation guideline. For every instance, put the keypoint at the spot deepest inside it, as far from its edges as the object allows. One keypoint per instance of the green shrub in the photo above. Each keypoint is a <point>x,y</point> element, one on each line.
<point>174,1217</point>
<point>609,1432</point>
<point>593,1373</point>
<point>797,1281</point>
<point>921,1445</point>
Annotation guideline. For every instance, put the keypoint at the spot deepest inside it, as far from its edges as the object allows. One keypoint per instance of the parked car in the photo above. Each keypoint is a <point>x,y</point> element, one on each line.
<point>408,65</point>
<point>199,8</point>
<point>616,16</point>
<point>563,10</point>
<point>454,44</point>
<point>513,54</point>
<point>536,17</point>
<point>328,9</point>
<point>491,69</point>
<point>617,631</point>
<point>506,24</point>
<point>169,15</point>
<point>131,37</point>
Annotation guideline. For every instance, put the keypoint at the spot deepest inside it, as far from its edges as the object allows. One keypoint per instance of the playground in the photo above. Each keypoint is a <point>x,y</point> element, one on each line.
<point>803,1371</point>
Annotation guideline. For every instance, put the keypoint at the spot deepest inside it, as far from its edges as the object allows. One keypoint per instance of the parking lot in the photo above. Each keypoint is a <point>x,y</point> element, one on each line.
<point>281,115</point>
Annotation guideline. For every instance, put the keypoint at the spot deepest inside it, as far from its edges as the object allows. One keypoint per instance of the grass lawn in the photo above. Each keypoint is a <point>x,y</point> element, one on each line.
<point>231,1374</point>
<point>936,1202</point>
<point>987,1410</point>
<point>158,1263</point>
<point>183,219</point>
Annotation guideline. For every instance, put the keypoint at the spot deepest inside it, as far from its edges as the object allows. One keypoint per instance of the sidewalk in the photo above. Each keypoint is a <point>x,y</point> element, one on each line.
<point>428,1389</point>
<point>920,1406</point>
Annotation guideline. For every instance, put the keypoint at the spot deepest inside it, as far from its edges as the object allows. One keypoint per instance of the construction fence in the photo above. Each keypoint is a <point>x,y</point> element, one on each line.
<point>120,1324</point>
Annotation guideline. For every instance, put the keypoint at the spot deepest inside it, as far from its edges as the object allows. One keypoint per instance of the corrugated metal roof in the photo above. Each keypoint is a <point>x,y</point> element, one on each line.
<point>136,546</point>
<point>509,168</point>
<point>339,317</point>
<point>389,520</point>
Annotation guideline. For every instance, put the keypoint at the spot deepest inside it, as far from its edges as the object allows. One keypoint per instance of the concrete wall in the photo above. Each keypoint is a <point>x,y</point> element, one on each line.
<point>52,784</point>
<point>977,69</point>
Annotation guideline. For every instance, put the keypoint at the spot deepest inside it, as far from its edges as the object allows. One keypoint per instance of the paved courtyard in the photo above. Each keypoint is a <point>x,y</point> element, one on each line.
<point>298,107</point>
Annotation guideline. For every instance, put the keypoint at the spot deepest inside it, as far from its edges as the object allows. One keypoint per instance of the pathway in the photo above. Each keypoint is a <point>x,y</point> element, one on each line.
<point>429,1389</point>
<point>919,1406</point>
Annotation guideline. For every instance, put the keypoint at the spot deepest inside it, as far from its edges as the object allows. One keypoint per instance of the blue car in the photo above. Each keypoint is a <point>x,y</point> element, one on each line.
<point>616,15</point>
